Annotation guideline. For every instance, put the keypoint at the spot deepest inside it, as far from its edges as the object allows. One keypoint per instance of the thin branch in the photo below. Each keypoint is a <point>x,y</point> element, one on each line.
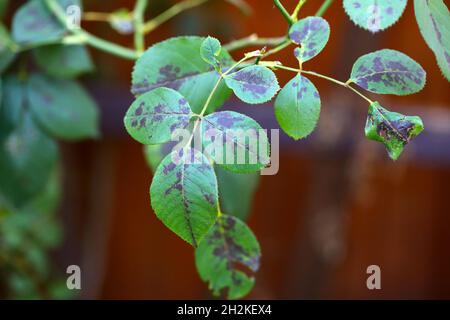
<point>323,8</point>
<point>284,12</point>
<point>300,4</point>
<point>138,21</point>
<point>253,40</point>
<point>96,16</point>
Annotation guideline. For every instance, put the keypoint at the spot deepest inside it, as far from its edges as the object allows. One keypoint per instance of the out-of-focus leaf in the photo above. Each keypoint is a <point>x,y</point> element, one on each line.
<point>7,54</point>
<point>122,21</point>
<point>228,244</point>
<point>3,7</point>
<point>393,129</point>
<point>388,72</point>
<point>433,19</point>
<point>13,101</point>
<point>242,5</point>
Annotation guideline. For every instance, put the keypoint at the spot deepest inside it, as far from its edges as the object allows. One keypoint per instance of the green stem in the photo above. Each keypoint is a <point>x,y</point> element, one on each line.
<point>315,74</point>
<point>323,8</point>
<point>253,40</point>
<point>294,14</point>
<point>89,38</point>
<point>138,20</point>
<point>284,12</point>
<point>170,13</point>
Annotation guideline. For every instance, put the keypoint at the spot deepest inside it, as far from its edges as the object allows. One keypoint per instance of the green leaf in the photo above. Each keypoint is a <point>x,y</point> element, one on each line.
<point>27,158</point>
<point>34,23</point>
<point>62,107</point>
<point>433,18</point>
<point>64,61</point>
<point>388,72</point>
<point>210,51</point>
<point>177,64</point>
<point>13,101</point>
<point>7,54</point>
<point>235,141</point>
<point>236,191</point>
<point>155,115</point>
<point>312,33</point>
<point>393,129</point>
<point>229,243</point>
<point>254,84</point>
<point>184,194</point>
<point>297,107</point>
<point>375,15</point>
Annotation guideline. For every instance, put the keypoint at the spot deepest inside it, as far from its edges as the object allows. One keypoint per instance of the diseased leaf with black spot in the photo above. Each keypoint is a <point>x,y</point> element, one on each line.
<point>27,157</point>
<point>177,64</point>
<point>433,18</point>
<point>375,15</point>
<point>228,245</point>
<point>63,61</point>
<point>7,54</point>
<point>210,51</point>
<point>393,129</point>
<point>154,116</point>
<point>297,107</point>
<point>254,84</point>
<point>312,34</point>
<point>235,141</point>
<point>62,107</point>
<point>388,72</point>
<point>34,23</point>
<point>184,194</point>
<point>12,104</point>
<point>236,191</point>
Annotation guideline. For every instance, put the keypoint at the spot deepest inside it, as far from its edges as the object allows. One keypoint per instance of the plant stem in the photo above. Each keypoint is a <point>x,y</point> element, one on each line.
<point>294,14</point>
<point>96,16</point>
<point>323,8</point>
<point>284,12</point>
<point>253,40</point>
<point>170,13</point>
<point>315,74</point>
<point>138,20</point>
<point>89,38</point>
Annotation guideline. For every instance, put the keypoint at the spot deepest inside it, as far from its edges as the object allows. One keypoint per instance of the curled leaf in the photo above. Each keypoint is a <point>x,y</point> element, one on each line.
<point>374,15</point>
<point>254,84</point>
<point>312,34</point>
<point>228,244</point>
<point>393,129</point>
<point>184,194</point>
<point>388,72</point>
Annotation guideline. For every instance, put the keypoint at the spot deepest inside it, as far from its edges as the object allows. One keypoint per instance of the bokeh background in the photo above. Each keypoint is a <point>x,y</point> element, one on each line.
<point>337,205</point>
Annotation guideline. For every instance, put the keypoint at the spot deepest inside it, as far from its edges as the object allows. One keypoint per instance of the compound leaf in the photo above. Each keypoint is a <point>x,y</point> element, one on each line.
<point>392,129</point>
<point>155,115</point>
<point>177,64</point>
<point>210,51</point>
<point>34,22</point>
<point>254,84</point>
<point>235,141</point>
<point>63,61</point>
<point>184,194</point>
<point>297,107</point>
<point>62,107</point>
<point>228,244</point>
<point>388,72</point>
<point>374,15</point>
<point>433,19</point>
<point>312,34</point>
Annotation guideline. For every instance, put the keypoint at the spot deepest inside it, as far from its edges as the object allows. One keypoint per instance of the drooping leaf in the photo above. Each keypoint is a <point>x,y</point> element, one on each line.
<point>154,116</point>
<point>210,51</point>
<point>7,54</point>
<point>62,107</point>
<point>228,244</point>
<point>393,129</point>
<point>27,157</point>
<point>374,15</point>
<point>13,101</point>
<point>63,61</point>
<point>184,194</point>
<point>297,107</point>
<point>388,72</point>
<point>236,191</point>
<point>235,141</point>
<point>177,64</point>
<point>254,84</point>
<point>433,18</point>
<point>34,22</point>
<point>312,34</point>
